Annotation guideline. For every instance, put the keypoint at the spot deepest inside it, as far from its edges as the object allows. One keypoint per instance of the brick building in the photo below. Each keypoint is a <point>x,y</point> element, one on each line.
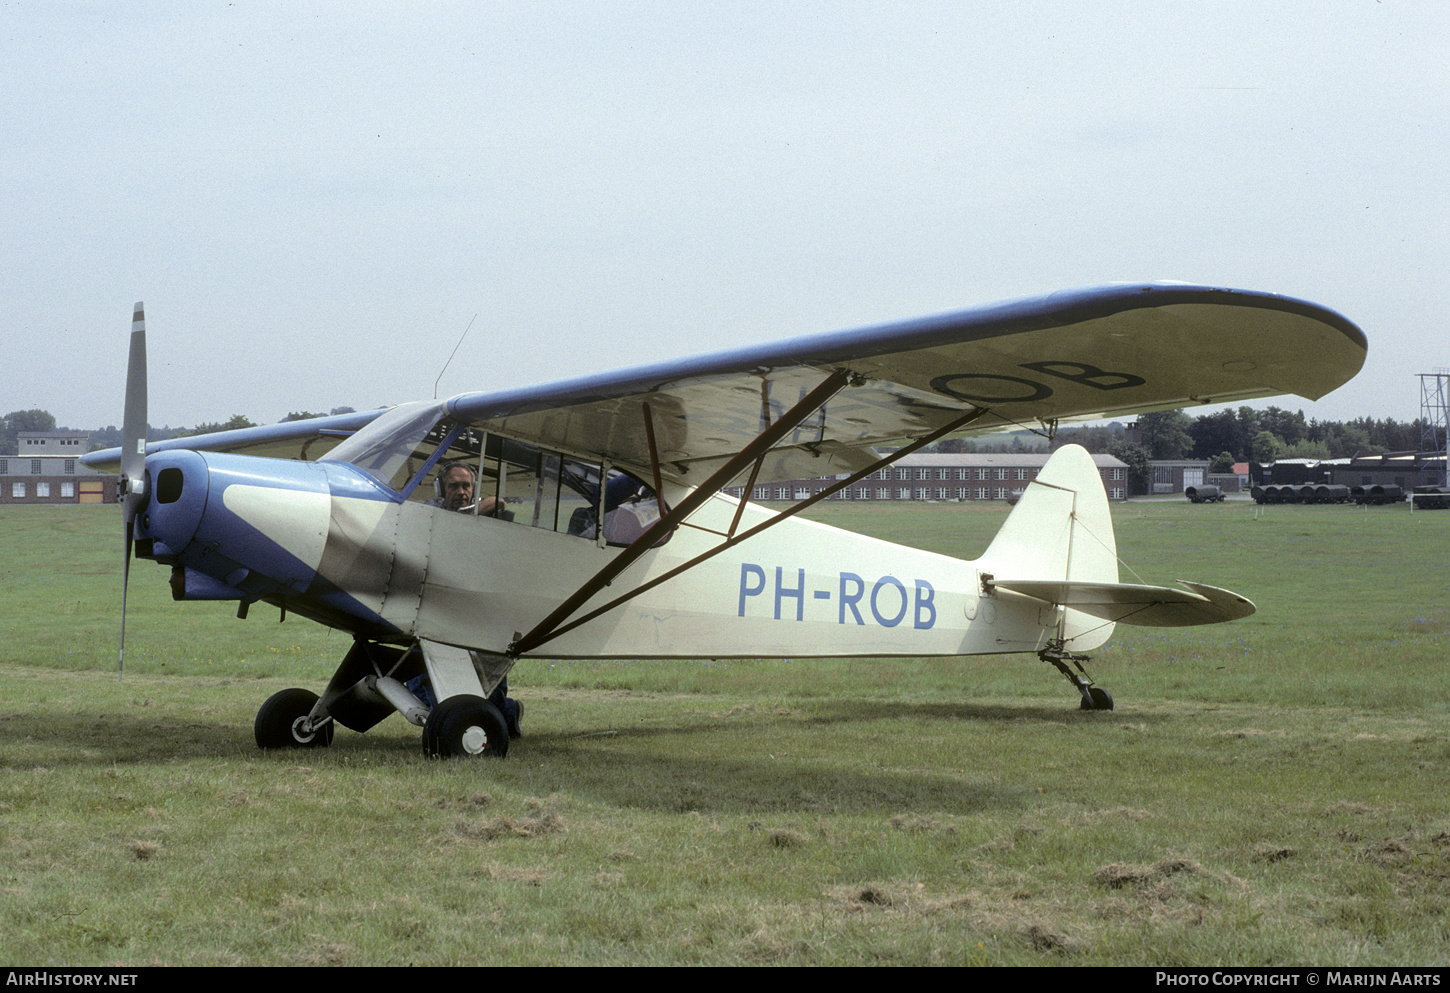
<point>941,478</point>
<point>48,470</point>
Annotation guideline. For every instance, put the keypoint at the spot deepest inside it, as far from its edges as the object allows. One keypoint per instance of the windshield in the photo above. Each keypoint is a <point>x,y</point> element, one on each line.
<point>392,447</point>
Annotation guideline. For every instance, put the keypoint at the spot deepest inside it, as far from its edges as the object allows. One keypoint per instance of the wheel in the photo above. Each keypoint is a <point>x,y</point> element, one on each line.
<point>463,726</point>
<point>1102,700</point>
<point>280,722</point>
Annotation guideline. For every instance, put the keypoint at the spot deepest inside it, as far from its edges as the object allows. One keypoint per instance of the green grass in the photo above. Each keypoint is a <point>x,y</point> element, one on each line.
<point>1267,792</point>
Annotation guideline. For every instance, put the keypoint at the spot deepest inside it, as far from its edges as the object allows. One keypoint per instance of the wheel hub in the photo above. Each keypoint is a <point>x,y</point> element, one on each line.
<point>475,740</point>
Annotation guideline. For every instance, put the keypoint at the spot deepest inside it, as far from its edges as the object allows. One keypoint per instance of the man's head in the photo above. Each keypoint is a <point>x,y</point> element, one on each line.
<point>457,487</point>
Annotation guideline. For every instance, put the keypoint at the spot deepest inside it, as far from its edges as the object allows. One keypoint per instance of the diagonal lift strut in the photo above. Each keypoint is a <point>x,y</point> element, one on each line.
<point>763,442</point>
<point>734,539</point>
<point>554,625</point>
<point>558,621</point>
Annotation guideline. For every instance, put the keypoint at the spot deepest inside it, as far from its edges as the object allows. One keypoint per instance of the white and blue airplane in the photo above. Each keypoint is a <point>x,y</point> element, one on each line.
<point>594,524</point>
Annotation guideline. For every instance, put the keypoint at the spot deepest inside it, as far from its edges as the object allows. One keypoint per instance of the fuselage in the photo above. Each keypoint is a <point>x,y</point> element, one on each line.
<point>328,541</point>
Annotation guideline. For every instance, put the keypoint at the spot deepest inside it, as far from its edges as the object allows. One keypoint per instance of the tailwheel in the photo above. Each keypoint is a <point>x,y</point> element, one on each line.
<point>1093,697</point>
<point>285,721</point>
<point>463,726</point>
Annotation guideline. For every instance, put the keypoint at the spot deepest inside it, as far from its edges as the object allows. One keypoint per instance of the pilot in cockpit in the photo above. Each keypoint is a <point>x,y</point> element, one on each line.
<point>454,489</point>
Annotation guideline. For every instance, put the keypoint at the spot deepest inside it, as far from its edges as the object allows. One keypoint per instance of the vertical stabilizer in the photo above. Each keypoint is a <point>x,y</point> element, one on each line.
<point>1061,529</point>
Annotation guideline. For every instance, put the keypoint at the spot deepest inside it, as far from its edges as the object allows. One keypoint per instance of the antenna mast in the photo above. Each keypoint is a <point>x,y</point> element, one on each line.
<point>1434,420</point>
<point>450,356</point>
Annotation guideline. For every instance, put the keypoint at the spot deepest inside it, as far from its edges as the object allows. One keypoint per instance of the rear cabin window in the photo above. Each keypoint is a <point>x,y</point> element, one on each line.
<point>549,490</point>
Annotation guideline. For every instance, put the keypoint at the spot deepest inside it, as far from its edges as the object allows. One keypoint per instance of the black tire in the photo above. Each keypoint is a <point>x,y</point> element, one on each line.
<point>1102,700</point>
<point>279,722</point>
<point>465,727</point>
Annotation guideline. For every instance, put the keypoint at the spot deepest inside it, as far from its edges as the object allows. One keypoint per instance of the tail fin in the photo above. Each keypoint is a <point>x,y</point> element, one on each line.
<point>1061,530</point>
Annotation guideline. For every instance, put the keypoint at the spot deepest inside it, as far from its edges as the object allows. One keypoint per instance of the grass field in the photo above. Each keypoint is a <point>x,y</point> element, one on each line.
<point>1271,791</point>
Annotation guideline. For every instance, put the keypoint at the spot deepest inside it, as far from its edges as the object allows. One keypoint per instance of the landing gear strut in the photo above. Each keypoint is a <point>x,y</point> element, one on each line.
<point>1093,697</point>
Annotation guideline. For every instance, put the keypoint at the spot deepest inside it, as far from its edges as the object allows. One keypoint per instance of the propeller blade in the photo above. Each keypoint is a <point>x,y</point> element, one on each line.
<point>133,459</point>
<point>133,428</point>
<point>130,527</point>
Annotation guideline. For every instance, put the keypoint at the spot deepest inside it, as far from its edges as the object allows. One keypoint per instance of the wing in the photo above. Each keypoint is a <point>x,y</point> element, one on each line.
<point>307,439</point>
<point>1149,606</point>
<point>1075,355</point>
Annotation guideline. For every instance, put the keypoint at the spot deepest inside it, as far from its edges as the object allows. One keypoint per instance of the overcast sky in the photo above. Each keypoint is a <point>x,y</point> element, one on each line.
<point>314,199</point>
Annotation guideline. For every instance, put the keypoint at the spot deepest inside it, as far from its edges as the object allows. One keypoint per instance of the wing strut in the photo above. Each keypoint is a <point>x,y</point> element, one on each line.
<point>654,457</point>
<point>540,635</point>
<point>763,442</point>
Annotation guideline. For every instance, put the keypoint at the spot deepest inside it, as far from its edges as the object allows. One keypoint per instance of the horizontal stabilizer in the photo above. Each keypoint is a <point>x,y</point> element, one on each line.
<point>1149,606</point>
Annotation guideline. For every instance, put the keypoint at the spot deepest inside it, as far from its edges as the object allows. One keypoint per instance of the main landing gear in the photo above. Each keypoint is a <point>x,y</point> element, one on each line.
<point>459,727</point>
<point>377,680</point>
<point>1093,697</point>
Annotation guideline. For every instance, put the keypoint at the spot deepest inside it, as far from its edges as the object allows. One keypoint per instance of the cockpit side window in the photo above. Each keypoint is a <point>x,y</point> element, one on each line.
<point>410,448</point>
<point>552,491</point>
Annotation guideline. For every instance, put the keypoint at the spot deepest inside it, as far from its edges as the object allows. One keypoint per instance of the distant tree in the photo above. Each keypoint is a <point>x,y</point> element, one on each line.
<point>1136,459</point>
<point>1248,419</point>
<point>22,420</point>
<point>1164,434</point>
<point>106,437</point>
<point>1016,442</point>
<point>1389,435</point>
<point>1288,428</point>
<point>1340,440</point>
<point>30,420</point>
<point>341,410</point>
<point>1222,462</point>
<point>1215,433</point>
<point>237,421</point>
<point>1266,447</point>
<point>300,415</point>
<point>1096,438</point>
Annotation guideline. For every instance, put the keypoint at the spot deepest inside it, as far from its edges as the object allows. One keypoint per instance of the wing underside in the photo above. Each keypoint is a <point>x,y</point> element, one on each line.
<point>1071,356</point>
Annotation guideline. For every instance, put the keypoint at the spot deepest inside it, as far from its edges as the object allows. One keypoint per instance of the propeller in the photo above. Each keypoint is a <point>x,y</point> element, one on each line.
<point>134,489</point>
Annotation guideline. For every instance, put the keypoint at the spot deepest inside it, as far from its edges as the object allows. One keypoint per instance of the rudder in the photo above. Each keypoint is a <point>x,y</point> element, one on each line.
<point>1061,529</point>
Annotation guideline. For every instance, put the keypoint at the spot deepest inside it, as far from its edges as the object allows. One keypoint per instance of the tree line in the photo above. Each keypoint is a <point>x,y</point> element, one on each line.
<point>1221,438</point>
<point>1248,435</point>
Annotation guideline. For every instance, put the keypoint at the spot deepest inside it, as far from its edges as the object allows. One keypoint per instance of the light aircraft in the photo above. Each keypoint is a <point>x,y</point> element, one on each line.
<point>618,541</point>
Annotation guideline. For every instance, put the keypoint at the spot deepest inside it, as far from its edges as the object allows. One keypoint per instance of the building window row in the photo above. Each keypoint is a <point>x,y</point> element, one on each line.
<point>36,467</point>
<point>19,490</point>
<point>1012,481</point>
